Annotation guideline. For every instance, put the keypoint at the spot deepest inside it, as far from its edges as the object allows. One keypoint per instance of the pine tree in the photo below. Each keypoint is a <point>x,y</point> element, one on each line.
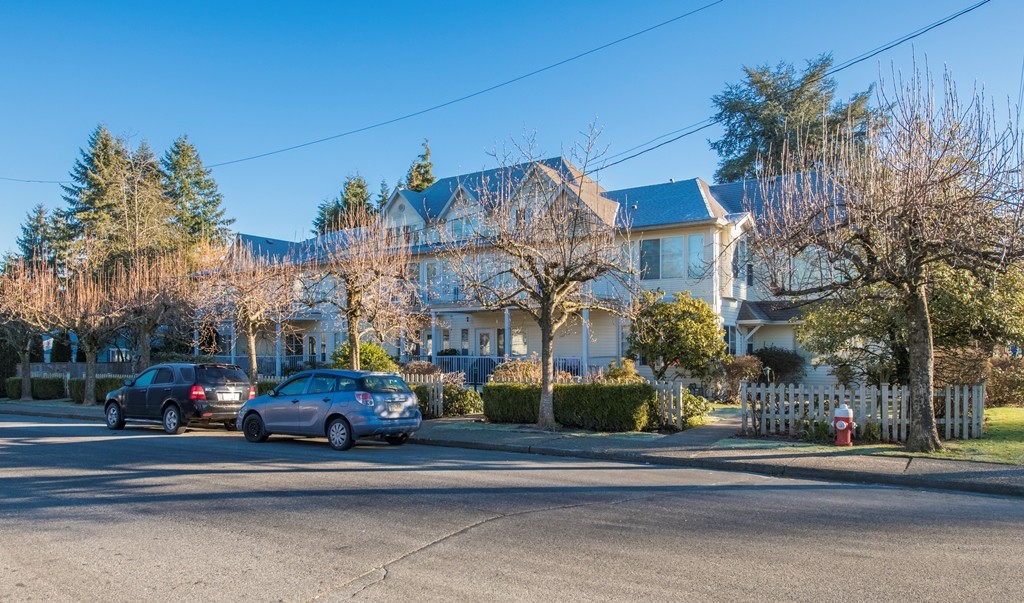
<point>328,213</point>
<point>193,191</point>
<point>384,194</point>
<point>96,179</point>
<point>420,174</point>
<point>355,195</point>
<point>35,242</point>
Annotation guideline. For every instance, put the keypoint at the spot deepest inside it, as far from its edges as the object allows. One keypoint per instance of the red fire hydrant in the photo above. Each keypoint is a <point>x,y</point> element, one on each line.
<point>842,421</point>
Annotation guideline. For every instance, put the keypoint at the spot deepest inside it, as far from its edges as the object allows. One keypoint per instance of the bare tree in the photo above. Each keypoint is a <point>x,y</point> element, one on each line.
<point>19,335</point>
<point>93,304</point>
<point>540,237</point>
<point>252,290</point>
<point>361,269</point>
<point>936,183</point>
<point>161,289</point>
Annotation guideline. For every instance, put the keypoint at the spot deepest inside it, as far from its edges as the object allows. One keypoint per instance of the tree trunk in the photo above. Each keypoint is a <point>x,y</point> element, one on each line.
<point>352,315</point>
<point>250,339</point>
<point>546,412</point>
<point>89,397</point>
<point>26,371</point>
<point>145,346</point>
<point>924,435</point>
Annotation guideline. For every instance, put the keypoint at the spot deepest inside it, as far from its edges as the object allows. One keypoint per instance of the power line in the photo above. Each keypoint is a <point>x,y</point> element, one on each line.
<point>470,95</point>
<point>35,181</point>
<point>707,123</point>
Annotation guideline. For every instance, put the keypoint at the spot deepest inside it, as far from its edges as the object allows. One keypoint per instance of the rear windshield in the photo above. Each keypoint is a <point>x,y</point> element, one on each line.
<point>220,375</point>
<point>380,384</point>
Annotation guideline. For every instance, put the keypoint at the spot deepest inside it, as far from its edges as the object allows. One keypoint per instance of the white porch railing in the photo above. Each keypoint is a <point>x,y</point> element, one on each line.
<point>478,369</point>
<point>787,409</point>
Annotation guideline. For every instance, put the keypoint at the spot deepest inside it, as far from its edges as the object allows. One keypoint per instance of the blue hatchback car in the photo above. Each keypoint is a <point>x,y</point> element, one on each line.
<point>339,405</point>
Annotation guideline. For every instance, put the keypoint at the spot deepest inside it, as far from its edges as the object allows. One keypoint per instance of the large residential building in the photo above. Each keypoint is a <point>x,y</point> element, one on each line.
<point>687,236</point>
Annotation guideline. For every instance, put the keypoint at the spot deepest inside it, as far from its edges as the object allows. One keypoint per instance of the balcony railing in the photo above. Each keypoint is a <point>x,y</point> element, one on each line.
<point>478,369</point>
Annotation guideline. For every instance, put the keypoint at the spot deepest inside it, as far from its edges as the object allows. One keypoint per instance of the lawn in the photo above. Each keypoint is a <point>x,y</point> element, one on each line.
<point>1003,441</point>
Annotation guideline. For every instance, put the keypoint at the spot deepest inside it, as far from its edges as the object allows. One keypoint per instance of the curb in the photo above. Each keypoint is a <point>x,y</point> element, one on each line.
<point>51,414</point>
<point>845,476</point>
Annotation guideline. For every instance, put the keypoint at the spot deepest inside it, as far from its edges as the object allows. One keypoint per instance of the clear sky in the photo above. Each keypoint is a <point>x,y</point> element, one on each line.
<point>249,77</point>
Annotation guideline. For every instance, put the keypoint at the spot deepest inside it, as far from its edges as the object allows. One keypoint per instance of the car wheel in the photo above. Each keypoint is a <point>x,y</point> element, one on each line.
<point>115,419</point>
<point>254,429</point>
<point>339,434</point>
<point>231,425</point>
<point>172,420</point>
<point>396,440</point>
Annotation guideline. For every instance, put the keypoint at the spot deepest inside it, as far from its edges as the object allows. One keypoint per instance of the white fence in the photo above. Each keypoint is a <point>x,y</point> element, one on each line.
<point>435,384</point>
<point>670,403</point>
<point>882,411</point>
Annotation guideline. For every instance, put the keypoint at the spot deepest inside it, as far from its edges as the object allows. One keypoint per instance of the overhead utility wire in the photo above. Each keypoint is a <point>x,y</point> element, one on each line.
<point>470,95</point>
<point>702,125</point>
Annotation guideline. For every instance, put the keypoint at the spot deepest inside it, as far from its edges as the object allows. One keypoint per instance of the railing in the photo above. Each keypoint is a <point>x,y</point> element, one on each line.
<point>478,369</point>
<point>267,365</point>
<point>882,412</point>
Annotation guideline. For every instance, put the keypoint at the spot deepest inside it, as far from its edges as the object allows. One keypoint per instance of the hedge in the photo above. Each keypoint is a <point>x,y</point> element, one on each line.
<point>596,406</point>
<point>104,385</point>
<point>423,397</point>
<point>43,388</point>
<point>459,401</point>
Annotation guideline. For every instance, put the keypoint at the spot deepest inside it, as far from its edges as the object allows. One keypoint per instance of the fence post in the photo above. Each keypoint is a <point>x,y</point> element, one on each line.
<point>743,406</point>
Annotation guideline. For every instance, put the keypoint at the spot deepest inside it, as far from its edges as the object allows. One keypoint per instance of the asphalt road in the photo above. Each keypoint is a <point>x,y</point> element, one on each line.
<point>92,515</point>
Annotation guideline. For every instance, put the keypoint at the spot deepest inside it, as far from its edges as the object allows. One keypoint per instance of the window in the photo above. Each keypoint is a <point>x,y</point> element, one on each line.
<point>672,257</point>
<point>293,345</point>
<point>732,340</point>
<point>188,374</point>
<point>346,385</point>
<point>145,379</point>
<point>465,342</point>
<point>695,249</point>
<point>445,339</point>
<point>321,384</point>
<point>379,384</point>
<point>220,375</point>
<point>500,351</point>
<point>294,387</point>
<point>650,259</point>
<point>412,272</point>
<point>164,375</point>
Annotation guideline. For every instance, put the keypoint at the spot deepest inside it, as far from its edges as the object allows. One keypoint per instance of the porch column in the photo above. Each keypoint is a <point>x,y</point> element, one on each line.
<point>508,334</point>
<point>277,349</point>
<point>585,348</point>
<point>401,348</point>
<point>433,336</point>
<point>234,342</point>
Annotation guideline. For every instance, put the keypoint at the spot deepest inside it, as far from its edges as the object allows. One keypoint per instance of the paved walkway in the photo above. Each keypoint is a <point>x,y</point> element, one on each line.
<point>710,447</point>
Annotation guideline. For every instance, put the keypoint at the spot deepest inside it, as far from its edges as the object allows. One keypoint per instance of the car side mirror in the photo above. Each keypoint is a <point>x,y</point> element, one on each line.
<point>272,393</point>
<point>128,382</point>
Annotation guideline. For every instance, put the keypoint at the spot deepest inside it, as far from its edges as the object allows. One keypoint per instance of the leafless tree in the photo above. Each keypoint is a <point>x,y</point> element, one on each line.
<point>253,291</point>
<point>360,269</point>
<point>93,304</point>
<point>19,335</point>
<point>540,237</point>
<point>162,289</point>
<point>936,183</point>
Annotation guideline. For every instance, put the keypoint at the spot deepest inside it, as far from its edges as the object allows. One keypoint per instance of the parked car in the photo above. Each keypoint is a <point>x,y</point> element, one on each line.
<point>339,405</point>
<point>181,394</point>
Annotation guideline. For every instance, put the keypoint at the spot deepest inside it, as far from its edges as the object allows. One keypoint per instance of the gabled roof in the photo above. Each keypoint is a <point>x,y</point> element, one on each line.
<point>666,203</point>
<point>769,311</point>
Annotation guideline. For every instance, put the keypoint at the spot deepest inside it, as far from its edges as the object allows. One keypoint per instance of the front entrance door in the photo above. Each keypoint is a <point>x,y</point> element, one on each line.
<point>486,340</point>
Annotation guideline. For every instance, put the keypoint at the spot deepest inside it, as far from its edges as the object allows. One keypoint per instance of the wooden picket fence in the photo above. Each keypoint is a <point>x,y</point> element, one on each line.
<point>671,410</point>
<point>435,384</point>
<point>880,411</point>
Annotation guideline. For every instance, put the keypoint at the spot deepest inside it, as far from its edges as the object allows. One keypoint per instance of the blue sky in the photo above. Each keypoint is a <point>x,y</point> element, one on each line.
<point>246,78</point>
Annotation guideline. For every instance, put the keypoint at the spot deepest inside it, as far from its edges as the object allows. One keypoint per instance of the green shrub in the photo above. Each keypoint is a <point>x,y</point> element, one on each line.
<point>47,388</point>
<point>517,370</point>
<point>511,402</point>
<point>786,365</point>
<point>1005,385</point>
<point>739,369</point>
<point>459,401</point>
<point>449,352</point>
<point>13,387</point>
<point>623,371</point>
<point>597,406</point>
<point>694,407</point>
<point>815,431</point>
<point>372,357</point>
<point>104,385</point>
<point>603,407</point>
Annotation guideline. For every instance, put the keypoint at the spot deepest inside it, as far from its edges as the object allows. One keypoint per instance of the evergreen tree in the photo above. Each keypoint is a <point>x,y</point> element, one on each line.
<point>773,109</point>
<point>36,236</point>
<point>355,195</point>
<point>97,178</point>
<point>328,214</point>
<point>420,174</point>
<point>193,191</point>
<point>384,194</point>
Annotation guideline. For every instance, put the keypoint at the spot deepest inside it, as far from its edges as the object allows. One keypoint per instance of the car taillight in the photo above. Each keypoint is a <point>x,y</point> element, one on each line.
<point>364,398</point>
<point>197,393</point>
<point>252,392</point>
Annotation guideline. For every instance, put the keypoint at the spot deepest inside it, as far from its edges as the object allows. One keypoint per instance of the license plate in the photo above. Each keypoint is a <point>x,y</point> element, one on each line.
<point>229,396</point>
<point>395,407</point>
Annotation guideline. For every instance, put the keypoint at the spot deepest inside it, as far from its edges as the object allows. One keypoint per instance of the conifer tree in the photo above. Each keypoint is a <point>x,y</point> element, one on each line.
<point>420,174</point>
<point>36,238</point>
<point>384,194</point>
<point>96,178</point>
<point>355,195</point>
<point>328,213</point>
<point>193,191</point>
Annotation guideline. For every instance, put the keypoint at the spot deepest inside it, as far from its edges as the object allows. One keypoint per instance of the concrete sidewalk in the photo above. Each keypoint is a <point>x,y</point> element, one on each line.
<point>710,447</point>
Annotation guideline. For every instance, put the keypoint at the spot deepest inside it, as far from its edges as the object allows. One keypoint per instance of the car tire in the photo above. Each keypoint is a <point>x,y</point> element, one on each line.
<point>231,425</point>
<point>396,440</point>
<point>172,420</point>
<point>339,434</point>
<point>115,417</point>
<point>254,429</point>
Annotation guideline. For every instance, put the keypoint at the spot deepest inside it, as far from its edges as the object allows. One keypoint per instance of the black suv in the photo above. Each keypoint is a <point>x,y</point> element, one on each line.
<point>180,394</point>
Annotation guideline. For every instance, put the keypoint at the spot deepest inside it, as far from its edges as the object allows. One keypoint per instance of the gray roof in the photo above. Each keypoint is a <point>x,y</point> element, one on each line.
<point>770,311</point>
